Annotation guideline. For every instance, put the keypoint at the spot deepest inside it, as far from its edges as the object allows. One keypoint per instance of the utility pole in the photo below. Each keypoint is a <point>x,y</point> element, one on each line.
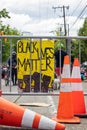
<point>64,20</point>
<point>64,16</point>
<point>63,7</point>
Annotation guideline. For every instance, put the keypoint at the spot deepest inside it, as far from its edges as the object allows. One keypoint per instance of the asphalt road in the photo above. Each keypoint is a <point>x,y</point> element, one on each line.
<point>44,105</point>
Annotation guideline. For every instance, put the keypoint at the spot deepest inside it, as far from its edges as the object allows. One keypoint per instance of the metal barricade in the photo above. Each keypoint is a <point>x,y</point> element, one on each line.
<point>12,90</point>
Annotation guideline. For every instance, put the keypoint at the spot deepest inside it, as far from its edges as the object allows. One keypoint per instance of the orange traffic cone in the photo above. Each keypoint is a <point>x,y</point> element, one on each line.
<point>14,115</point>
<point>65,107</point>
<point>78,96</point>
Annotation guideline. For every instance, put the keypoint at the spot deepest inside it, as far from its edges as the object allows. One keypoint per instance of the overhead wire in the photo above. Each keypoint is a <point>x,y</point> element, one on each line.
<point>78,17</point>
<point>84,14</point>
<point>74,13</point>
<point>76,7</point>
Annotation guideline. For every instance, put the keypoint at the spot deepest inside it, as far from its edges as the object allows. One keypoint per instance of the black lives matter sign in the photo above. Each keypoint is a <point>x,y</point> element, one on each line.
<point>35,61</point>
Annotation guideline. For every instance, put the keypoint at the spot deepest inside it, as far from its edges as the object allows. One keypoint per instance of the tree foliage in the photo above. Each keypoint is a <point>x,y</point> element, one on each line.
<point>4,14</point>
<point>83,32</point>
<point>76,45</point>
<point>7,30</point>
<point>6,41</point>
<point>59,41</point>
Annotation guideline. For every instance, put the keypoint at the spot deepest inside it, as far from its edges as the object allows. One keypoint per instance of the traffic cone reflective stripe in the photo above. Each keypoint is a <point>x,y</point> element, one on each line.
<point>34,119</point>
<point>50,124</point>
<point>65,105</point>
<point>39,122</point>
<point>13,115</point>
<point>78,96</point>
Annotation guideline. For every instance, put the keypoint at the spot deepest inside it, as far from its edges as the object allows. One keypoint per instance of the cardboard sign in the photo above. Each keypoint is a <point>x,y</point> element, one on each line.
<point>35,65</point>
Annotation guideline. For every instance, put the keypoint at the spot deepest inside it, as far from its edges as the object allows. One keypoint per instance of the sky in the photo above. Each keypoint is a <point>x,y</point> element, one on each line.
<point>44,17</point>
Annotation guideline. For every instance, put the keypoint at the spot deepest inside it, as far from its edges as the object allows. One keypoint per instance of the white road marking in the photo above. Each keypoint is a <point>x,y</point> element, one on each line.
<point>52,108</point>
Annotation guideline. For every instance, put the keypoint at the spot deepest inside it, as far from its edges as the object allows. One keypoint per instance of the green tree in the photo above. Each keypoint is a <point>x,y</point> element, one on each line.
<point>4,14</point>
<point>59,41</point>
<point>7,30</point>
<point>6,42</point>
<point>74,49</point>
<point>83,29</point>
<point>83,32</point>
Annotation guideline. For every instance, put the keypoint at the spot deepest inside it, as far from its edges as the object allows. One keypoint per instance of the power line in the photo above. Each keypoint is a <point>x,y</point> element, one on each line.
<point>84,14</point>
<point>78,17</point>
<point>76,7</point>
